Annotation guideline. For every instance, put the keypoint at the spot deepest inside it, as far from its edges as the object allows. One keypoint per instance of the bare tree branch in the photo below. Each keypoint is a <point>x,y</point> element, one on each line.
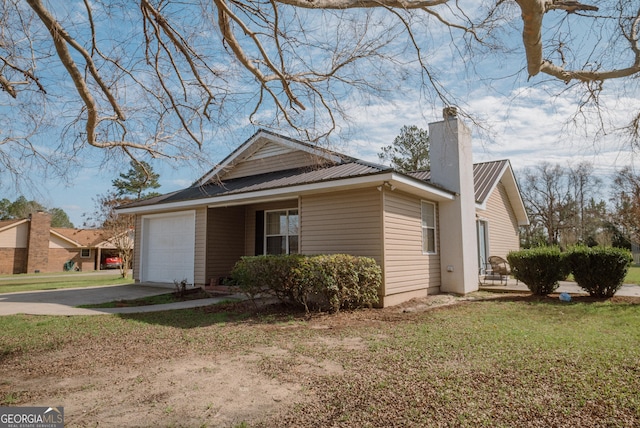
<point>162,79</point>
<point>533,12</point>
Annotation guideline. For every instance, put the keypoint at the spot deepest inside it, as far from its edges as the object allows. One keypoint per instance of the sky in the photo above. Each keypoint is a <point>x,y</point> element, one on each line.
<point>527,136</point>
<point>520,120</point>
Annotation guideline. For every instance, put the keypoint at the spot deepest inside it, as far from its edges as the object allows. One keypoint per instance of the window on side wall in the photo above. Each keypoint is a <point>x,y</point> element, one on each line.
<point>85,253</point>
<point>428,228</point>
<point>281,231</point>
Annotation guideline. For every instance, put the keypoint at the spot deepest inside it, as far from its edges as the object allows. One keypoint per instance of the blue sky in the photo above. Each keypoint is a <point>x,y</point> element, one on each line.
<point>530,131</point>
<point>524,121</point>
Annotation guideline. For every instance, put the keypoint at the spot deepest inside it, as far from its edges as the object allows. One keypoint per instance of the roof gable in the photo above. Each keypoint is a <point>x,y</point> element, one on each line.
<point>264,167</point>
<point>8,224</point>
<point>486,176</point>
<point>267,152</point>
<point>80,237</point>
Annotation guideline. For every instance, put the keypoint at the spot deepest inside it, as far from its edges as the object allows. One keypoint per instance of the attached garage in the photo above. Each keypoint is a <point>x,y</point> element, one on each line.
<point>168,247</point>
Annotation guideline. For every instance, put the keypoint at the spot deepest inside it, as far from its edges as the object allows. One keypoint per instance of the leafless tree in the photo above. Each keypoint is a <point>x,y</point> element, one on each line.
<point>585,185</point>
<point>564,203</point>
<point>159,77</point>
<point>118,229</point>
<point>626,201</point>
<point>548,200</point>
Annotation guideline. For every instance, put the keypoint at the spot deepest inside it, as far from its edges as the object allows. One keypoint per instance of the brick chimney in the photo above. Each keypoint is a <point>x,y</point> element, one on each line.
<point>452,168</point>
<point>38,250</point>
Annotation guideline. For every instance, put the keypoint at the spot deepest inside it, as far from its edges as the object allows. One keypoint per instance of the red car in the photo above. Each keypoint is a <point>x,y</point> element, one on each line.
<point>111,263</point>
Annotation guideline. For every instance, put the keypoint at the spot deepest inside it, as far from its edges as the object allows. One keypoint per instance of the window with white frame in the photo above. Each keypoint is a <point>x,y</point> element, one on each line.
<point>281,232</point>
<point>85,253</point>
<point>428,227</point>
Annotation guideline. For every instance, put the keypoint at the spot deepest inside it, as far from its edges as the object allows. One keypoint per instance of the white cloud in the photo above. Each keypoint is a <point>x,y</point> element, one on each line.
<point>527,126</point>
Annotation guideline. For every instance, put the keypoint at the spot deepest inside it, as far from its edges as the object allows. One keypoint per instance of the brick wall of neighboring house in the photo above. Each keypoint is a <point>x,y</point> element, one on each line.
<point>38,248</point>
<point>13,260</point>
<point>59,256</point>
<point>88,263</point>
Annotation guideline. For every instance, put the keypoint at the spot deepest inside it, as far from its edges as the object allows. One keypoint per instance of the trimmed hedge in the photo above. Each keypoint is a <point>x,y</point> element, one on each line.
<point>331,282</point>
<point>539,269</point>
<point>599,270</point>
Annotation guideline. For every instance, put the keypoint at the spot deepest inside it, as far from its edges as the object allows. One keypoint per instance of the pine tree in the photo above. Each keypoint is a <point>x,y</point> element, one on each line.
<point>409,151</point>
<point>136,181</point>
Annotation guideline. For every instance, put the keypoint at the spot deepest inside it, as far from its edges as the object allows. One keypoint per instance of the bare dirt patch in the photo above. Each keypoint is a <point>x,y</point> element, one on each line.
<point>193,390</point>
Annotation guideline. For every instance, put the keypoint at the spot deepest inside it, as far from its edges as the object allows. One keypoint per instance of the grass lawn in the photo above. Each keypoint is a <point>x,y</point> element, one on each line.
<point>16,283</point>
<point>508,361</point>
<point>633,276</point>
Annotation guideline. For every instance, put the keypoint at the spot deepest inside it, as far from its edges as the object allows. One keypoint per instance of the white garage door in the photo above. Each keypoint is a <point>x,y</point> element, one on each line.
<point>168,247</point>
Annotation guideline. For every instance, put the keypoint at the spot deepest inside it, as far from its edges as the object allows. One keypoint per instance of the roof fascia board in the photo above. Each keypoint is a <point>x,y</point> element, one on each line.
<point>400,181</point>
<point>246,147</point>
<point>413,185</point>
<point>514,194</point>
<point>17,223</point>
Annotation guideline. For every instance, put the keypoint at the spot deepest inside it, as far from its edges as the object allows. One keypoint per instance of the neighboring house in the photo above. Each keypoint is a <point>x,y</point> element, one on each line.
<point>31,245</point>
<point>276,195</point>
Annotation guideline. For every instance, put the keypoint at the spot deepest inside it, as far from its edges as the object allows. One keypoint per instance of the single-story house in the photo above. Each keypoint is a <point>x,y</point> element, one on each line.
<point>429,231</point>
<point>31,245</point>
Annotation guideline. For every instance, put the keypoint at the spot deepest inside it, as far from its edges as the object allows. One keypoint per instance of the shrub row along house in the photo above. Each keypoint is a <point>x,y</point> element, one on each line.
<point>429,231</point>
<point>31,245</point>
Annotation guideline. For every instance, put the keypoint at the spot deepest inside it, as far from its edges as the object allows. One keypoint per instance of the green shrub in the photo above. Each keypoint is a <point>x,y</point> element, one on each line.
<point>269,274</point>
<point>599,270</point>
<point>539,269</point>
<point>330,282</point>
<point>343,281</point>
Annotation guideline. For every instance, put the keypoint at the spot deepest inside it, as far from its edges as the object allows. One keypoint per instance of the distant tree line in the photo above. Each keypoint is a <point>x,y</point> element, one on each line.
<point>22,208</point>
<point>570,205</point>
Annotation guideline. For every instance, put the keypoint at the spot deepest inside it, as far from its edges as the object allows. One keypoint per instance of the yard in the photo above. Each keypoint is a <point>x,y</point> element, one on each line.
<point>60,280</point>
<point>442,361</point>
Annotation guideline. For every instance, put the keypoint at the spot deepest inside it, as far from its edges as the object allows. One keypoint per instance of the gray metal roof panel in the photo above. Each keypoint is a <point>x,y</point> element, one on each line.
<point>485,176</point>
<point>271,180</point>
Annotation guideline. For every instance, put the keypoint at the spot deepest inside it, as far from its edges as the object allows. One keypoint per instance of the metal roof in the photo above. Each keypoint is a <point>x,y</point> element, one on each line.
<point>485,177</point>
<point>271,180</point>
<point>336,167</point>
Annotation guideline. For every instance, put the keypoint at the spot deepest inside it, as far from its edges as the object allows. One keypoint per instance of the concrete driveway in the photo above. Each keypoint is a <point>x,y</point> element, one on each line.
<point>63,302</point>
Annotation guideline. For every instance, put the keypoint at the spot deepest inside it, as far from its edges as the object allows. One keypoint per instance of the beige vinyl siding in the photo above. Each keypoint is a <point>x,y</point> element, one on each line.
<point>200,253</point>
<point>57,242</point>
<point>136,248</point>
<point>262,164</point>
<point>250,221</point>
<point>503,225</point>
<point>15,237</point>
<point>347,222</point>
<point>225,240</point>
<point>406,268</point>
